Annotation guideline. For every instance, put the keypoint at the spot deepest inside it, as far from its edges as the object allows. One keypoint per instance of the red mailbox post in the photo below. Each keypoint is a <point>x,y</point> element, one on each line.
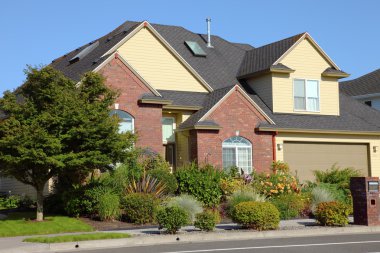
<point>365,197</point>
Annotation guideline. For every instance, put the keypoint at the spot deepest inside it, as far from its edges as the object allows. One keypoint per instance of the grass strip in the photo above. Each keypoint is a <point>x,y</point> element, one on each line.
<point>77,237</point>
<point>17,224</point>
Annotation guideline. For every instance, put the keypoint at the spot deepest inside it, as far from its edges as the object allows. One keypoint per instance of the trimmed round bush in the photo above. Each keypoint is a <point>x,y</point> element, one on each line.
<point>109,206</point>
<point>332,213</point>
<point>163,175</point>
<point>140,208</point>
<point>289,205</point>
<point>243,195</point>
<point>207,220</point>
<point>256,215</point>
<point>172,218</point>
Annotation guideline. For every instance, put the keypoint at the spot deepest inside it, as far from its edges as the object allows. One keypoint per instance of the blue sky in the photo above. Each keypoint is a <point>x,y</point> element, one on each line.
<point>36,32</point>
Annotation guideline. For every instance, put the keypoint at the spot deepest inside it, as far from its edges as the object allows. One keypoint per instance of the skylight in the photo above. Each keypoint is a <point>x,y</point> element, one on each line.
<point>195,48</point>
<point>84,52</point>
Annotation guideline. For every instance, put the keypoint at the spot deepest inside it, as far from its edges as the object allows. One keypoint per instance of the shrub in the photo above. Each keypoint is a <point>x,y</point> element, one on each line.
<point>154,161</point>
<point>230,185</point>
<point>108,206</point>
<point>202,183</point>
<point>53,204</point>
<point>147,184</point>
<point>332,213</point>
<point>319,195</point>
<point>164,176</point>
<point>337,193</point>
<point>10,202</point>
<point>256,215</point>
<point>243,195</point>
<point>289,205</point>
<point>338,176</point>
<point>172,218</point>
<point>278,182</point>
<point>188,203</point>
<point>140,208</point>
<point>207,220</point>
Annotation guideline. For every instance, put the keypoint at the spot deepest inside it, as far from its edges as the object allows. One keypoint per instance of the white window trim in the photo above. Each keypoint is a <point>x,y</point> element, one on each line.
<point>236,147</point>
<point>133,119</point>
<point>174,127</point>
<point>319,95</point>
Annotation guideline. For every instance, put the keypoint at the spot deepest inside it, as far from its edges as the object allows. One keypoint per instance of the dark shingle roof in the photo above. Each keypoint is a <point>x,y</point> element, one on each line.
<point>212,98</point>
<point>367,84</point>
<point>354,116</point>
<point>262,58</point>
<point>179,98</point>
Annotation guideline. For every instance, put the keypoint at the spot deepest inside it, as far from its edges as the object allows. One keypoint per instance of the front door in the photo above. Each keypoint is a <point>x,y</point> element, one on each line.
<point>170,154</point>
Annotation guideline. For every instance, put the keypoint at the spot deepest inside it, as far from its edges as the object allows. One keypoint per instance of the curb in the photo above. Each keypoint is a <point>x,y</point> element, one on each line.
<point>201,237</point>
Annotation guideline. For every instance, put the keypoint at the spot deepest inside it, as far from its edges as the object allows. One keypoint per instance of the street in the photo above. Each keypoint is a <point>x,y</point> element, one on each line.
<point>337,244</point>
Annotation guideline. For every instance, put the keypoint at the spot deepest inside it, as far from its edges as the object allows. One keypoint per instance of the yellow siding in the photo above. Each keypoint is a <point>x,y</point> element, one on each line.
<point>308,63</point>
<point>157,65</point>
<point>262,85</point>
<point>374,157</point>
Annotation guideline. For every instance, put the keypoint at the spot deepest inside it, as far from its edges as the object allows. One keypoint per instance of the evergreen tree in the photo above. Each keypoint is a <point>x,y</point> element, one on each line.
<point>53,126</point>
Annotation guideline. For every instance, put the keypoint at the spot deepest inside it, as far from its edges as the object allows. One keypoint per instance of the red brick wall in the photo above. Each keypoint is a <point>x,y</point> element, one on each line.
<point>147,117</point>
<point>235,114</point>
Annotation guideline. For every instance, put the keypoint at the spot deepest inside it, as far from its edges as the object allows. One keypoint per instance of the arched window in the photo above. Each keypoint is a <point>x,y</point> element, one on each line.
<point>126,121</point>
<point>237,151</point>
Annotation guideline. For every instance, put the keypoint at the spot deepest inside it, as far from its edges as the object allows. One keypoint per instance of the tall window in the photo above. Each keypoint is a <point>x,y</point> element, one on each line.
<point>306,95</point>
<point>126,121</point>
<point>168,129</point>
<point>237,151</point>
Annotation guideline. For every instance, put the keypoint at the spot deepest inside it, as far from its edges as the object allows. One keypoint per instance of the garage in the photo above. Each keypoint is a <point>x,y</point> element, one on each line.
<point>305,157</point>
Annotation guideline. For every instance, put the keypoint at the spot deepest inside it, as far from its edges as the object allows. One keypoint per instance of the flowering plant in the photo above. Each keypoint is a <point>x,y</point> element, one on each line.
<point>278,182</point>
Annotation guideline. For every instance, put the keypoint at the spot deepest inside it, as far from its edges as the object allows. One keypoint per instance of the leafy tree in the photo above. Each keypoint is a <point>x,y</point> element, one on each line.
<point>53,126</point>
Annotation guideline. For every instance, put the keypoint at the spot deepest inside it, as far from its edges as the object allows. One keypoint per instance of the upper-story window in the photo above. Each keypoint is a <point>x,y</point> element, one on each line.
<point>126,121</point>
<point>306,95</point>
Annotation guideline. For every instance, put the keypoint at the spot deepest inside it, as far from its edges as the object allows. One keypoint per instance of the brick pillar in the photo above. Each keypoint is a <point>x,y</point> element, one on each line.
<point>365,196</point>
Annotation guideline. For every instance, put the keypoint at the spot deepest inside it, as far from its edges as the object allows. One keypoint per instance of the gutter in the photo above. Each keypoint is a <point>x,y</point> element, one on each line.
<point>318,131</point>
<point>274,145</point>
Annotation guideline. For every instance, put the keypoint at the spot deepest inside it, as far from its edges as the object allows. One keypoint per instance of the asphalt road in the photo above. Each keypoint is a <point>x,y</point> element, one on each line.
<point>335,244</point>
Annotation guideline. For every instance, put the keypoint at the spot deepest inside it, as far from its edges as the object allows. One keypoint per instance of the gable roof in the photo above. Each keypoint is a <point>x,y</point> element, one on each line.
<point>262,58</point>
<point>364,85</point>
<point>219,68</point>
<point>268,57</point>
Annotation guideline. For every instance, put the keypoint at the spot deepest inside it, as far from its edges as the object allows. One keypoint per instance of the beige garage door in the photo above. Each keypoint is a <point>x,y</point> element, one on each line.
<point>305,157</point>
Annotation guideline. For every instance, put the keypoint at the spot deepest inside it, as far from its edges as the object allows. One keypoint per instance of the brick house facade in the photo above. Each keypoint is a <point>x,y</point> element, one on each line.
<point>147,117</point>
<point>236,116</point>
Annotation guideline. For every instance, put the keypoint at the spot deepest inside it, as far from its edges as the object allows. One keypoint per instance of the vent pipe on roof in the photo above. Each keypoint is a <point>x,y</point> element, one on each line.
<point>208,20</point>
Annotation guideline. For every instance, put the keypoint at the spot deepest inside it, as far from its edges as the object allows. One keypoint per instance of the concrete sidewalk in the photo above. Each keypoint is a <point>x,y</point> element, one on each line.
<point>152,236</point>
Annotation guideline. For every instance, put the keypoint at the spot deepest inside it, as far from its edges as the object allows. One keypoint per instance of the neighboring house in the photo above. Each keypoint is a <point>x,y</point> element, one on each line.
<point>192,99</point>
<point>366,89</point>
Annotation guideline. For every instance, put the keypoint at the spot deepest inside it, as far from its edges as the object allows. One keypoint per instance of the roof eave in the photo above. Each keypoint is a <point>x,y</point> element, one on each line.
<point>337,75</point>
<point>155,101</point>
<point>317,131</point>
<point>182,107</point>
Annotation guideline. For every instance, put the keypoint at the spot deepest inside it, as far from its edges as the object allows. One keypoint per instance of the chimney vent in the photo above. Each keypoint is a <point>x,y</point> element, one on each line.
<point>208,20</point>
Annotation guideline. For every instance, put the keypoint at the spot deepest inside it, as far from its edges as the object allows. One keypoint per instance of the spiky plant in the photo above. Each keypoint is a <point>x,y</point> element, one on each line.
<point>319,195</point>
<point>189,203</point>
<point>243,195</point>
<point>147,184</point>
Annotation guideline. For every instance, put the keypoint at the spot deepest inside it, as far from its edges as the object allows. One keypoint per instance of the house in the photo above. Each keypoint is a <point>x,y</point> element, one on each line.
<point>365,89</point>
<point>198,97</point>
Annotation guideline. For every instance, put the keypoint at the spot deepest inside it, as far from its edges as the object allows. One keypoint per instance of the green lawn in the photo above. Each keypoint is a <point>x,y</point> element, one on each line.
<point>18,224</point>
<point>77,238</point>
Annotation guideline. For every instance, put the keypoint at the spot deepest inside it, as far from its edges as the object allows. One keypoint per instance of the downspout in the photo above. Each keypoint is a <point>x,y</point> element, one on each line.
<point>274,145</point>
